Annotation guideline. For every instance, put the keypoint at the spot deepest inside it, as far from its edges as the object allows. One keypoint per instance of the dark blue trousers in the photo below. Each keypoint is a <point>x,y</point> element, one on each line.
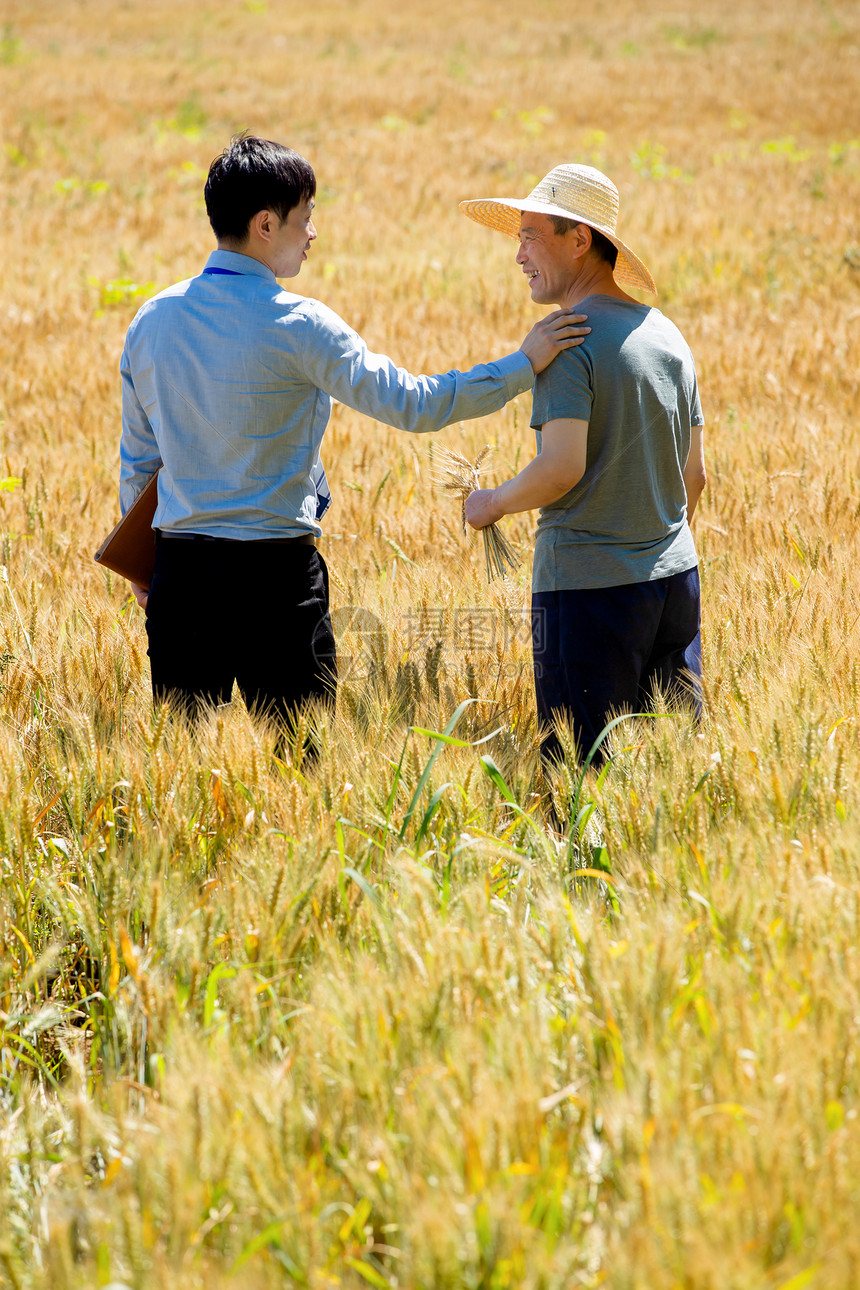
<point>608,650</point>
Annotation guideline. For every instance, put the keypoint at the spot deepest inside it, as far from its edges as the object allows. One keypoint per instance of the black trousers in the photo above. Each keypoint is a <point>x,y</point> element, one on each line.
<point>256,613</point>
<point>600,652</point>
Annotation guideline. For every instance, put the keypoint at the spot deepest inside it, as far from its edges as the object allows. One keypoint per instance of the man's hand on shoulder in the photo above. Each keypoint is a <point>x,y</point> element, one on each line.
<point>560,330</point>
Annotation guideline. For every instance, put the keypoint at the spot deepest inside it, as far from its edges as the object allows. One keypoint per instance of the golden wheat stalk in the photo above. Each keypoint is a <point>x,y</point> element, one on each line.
<point>461,477</point>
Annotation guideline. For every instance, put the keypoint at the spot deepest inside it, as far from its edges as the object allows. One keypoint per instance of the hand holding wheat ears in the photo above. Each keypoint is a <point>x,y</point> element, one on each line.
<point>461,477</point>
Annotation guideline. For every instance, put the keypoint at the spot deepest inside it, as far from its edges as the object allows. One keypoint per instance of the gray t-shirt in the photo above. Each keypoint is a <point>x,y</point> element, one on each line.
<point>633,380</point>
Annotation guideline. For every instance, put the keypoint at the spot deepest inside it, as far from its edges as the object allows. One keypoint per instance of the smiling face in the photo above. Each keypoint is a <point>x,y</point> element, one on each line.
<point>552,262</point>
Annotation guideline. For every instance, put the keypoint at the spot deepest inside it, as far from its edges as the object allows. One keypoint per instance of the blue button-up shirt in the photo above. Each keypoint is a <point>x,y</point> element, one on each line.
<point>228,383</point>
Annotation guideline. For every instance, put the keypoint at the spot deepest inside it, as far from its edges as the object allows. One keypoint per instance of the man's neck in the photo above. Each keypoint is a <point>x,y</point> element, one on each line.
<point>237,248</point>
<point>250,247</point>
<point>595,280</point>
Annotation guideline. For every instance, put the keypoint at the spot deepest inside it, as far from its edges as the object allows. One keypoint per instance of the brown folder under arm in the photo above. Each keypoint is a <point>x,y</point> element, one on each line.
<point>129,549</point>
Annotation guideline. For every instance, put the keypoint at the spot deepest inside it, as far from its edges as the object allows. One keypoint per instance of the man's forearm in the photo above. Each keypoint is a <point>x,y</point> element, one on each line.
<point>538,484</point>
<point>336,360</point>
<point>695,486</point>
<point>695,475</point>
<point>559,465</point>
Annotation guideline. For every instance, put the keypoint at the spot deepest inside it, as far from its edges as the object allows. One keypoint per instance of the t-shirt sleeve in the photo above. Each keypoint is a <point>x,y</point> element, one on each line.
<point>564,389</point>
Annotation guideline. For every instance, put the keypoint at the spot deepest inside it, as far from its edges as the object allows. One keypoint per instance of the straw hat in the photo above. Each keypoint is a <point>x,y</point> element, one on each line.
<point>580,193</point>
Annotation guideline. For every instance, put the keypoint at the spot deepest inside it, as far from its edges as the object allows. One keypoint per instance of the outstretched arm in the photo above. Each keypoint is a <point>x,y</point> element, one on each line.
<point>335,359</point>
<point>559,465</point>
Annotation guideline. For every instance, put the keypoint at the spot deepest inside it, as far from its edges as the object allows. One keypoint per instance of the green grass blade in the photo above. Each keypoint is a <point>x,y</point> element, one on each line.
<point>440,739</point>
<point>498,779</point>
<point>431,810</point>
<point>359,879</point>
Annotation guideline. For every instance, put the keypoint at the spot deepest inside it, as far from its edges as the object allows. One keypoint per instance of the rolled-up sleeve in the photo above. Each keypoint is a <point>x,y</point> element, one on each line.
<point>336,360</point>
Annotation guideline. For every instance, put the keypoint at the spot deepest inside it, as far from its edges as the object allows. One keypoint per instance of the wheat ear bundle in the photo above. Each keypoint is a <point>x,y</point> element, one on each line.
<point>461,477</point>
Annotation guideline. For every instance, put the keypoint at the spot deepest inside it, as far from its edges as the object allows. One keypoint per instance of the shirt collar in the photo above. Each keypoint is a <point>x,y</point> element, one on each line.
<point>239,263</point>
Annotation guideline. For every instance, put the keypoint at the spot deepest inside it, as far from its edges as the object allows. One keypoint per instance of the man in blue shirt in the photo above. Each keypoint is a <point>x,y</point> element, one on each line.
<point>228,383</point>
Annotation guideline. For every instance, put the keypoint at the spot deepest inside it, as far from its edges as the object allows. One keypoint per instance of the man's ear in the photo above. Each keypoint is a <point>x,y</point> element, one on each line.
<point>582,239</point>
<point>262,225</point>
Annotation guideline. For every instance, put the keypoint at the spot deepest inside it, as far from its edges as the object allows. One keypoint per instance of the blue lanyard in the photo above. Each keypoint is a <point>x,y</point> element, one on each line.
<point>232,272</point>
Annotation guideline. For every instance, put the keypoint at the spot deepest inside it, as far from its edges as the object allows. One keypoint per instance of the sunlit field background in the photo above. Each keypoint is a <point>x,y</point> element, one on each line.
<point>381,1022</point>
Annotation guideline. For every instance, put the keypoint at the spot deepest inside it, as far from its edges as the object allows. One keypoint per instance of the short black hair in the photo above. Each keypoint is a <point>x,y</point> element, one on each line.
<point>253,175</point>
<point>601,245</point>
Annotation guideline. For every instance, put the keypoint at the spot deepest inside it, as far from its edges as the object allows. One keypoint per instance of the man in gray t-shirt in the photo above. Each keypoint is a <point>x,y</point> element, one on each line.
<point>618,472</point>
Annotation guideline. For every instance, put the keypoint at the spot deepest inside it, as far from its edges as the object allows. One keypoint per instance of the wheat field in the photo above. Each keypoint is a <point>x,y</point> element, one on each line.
<point>375,1021</point>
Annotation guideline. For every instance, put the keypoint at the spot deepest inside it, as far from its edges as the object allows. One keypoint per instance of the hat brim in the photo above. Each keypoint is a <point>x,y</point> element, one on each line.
<point>503,214</point>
